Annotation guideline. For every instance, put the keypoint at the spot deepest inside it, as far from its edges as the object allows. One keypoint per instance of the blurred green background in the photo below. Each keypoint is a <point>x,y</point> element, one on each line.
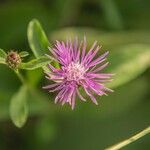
<point>123,28</point>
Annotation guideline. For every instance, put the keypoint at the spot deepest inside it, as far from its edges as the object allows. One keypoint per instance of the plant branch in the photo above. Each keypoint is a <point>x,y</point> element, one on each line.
<point>130,140</point>
<point>20,76</point>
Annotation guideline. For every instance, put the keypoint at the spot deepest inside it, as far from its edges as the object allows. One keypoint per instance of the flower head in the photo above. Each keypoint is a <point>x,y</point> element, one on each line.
<point>13,59</point>
<point>77,69</point>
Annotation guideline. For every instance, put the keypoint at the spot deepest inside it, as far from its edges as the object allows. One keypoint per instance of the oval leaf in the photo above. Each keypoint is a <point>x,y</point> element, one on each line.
<point>23,54</point>
<point>18,107</point>
<point>37,38</point>
<point>35,63</point>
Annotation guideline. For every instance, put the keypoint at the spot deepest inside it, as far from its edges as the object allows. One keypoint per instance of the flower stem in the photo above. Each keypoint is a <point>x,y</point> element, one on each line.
<point>20,76</point>
<point>130,140</point>
<point>25,83</point>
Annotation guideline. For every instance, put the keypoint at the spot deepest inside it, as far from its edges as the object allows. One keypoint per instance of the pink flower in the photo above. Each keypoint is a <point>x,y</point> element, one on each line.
<point>77,69</point>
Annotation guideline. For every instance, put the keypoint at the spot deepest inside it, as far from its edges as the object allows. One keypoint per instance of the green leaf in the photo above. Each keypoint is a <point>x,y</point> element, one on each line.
<point>19,108</point>
<point>23,54</point>
<point>128,62</point>
<point>35,63</point>
<point>37,38</point>
<point>108,40</point>
<point>2,56</point>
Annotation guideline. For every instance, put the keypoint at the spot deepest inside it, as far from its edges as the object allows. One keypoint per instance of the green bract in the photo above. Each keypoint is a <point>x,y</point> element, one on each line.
<point>2,56</point>
<point>23,54</point>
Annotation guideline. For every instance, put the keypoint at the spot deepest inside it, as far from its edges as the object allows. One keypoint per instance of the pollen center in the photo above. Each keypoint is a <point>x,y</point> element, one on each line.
<point>75,71</point>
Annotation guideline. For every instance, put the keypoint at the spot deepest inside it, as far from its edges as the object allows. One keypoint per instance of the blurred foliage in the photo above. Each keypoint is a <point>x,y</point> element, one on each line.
<point>18,107</point>
<point>37,39</point>
<point>122,27</point>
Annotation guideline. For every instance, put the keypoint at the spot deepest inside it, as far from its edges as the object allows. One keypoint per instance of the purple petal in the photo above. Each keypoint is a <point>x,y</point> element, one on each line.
<point>51,86</point>
<point>101,67</point>
<point>98,60</point>
<point>89,53</point>
<point>91,96</point>
<point>84,48</point>
<point>73,100</point>
<point>80,96</point>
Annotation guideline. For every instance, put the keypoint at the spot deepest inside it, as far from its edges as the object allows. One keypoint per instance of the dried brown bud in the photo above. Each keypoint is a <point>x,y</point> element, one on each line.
<point>13,59</point>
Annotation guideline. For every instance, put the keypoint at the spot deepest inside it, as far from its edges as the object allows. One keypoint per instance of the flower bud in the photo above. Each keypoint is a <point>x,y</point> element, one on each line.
<point>13,59</point>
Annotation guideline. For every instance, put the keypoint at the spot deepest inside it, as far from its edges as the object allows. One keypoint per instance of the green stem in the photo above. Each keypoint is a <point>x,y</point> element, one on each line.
<point>31,90</point>
<point>20,76</point>
<point>130,140</point>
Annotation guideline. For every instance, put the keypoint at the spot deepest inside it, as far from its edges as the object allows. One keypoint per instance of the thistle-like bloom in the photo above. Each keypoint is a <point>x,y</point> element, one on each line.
<point>77,69</point>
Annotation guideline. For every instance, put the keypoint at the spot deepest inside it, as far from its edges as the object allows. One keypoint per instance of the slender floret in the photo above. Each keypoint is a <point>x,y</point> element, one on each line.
<point>78,69</point>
